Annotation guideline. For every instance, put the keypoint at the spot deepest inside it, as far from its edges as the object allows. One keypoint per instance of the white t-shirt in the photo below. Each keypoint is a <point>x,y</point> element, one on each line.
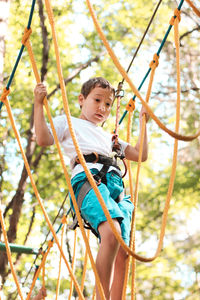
<point>90,137</point>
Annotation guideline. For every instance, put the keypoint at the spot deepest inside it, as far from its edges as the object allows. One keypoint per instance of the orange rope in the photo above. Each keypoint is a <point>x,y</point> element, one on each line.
<point>60,261</point>
<point>73,263</point>
<point>50,244</point>
<point>27,33</point>
<point>164,219</point>
<point>80,156</point>
<point>35,70</point>
<point>43,278</point>
<point>37,194</point>
<point>9,254</point>
<point>126,77</point>
<point>195,9</point>
<point>85,264</point>
<point>4,95</point>
<point>130,117</point>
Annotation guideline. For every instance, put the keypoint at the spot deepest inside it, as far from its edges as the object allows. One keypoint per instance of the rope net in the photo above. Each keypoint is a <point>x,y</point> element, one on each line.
<point>133,191</point>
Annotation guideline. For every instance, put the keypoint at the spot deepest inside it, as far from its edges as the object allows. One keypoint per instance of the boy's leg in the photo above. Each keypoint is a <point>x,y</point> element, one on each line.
<point>106,256</point>
<point>119,275</point>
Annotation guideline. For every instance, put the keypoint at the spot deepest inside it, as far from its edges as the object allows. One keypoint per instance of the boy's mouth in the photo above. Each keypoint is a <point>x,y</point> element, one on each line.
<point>99,116</point>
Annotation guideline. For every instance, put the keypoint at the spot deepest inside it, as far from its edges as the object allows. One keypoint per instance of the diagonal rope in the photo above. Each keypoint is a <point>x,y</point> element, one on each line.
<point>143,37</point>
<point>195,9</point>
<point>9,255</point>
<point>164,219</point>
<point>26,35</point>
<point>135,91</point>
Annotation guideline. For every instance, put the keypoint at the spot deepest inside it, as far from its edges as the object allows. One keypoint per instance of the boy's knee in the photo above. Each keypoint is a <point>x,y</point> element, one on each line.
<point>122,256</point>
<point>107,234</point>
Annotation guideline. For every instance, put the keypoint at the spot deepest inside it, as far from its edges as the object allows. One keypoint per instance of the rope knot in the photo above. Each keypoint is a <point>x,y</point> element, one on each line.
<point>177,14</point>
<point>64,220</point>
<point>27,33</point>
<point>155,62</point>
<point>131,105</point>
<point>50,243</point>
<point>4,95</point>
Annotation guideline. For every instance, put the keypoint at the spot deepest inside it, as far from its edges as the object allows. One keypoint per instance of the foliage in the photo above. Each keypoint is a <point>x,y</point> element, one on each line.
<point>175,275</point>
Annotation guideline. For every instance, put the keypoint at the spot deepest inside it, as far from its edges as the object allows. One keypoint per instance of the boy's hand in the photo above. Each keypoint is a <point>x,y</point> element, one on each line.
<point>40,92</point>
<point>144,112</point>
<point>41,294</point>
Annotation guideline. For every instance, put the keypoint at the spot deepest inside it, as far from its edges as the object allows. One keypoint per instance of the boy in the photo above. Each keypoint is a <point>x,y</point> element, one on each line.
<point>96,98</point>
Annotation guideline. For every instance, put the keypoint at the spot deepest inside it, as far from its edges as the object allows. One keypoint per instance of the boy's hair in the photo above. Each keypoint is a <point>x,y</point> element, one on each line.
<point>89,85</point>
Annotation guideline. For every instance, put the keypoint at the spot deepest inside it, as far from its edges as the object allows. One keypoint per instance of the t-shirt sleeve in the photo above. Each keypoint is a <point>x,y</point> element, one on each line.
<point>123,144</point>
<point>60,124</point>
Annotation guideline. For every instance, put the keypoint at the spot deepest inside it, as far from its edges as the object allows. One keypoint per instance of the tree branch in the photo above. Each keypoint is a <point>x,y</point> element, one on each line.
<point>45,49</point>
<point>76,72</point>
<point>189,32</point>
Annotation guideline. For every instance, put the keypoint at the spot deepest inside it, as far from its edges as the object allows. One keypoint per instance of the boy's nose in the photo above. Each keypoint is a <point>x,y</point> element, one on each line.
<point>102,107</point>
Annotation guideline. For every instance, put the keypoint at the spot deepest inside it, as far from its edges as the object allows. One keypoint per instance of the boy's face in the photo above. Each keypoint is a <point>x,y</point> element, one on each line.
<point>96,106</point>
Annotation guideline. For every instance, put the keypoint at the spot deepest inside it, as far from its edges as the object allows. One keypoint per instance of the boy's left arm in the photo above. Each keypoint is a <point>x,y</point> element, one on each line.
<point>132,153</point>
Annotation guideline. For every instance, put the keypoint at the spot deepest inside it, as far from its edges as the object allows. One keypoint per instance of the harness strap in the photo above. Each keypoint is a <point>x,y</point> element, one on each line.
<point>98,158</point>
<point>101,175</point>
<point>86,187</point>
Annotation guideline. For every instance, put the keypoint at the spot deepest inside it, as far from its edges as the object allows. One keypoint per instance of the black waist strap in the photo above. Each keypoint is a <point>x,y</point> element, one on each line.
<point>98,158</point>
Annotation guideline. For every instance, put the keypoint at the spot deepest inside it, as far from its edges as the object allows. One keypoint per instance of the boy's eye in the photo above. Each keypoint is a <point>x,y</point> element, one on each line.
<point>97,100</point>
<point>108,104</point>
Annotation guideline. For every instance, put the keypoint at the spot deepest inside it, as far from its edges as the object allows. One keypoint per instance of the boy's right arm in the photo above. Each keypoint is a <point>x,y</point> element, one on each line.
<point>43,135</point>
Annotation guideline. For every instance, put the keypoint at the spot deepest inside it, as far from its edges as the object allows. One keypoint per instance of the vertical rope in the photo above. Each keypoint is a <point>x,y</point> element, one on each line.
<point>85,264</point>
<point>50,244</point>
<point>73,264</point>
<point>60,261</point>
<point>9,255</point>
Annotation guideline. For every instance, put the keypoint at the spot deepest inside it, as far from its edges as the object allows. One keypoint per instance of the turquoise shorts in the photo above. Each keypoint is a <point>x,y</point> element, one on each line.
<point>91,209</point>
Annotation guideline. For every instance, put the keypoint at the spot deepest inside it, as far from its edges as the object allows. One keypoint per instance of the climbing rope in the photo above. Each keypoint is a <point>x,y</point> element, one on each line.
<point>6,102</point>
<point>73,263</point>
<point>9,255</point>
<point>125,75</point>
<point>25,37</point>
<point>195,9</point>
<point>142,39</point>
<point>64,222</point>
<point>44,256</point>
<point>81,158</point>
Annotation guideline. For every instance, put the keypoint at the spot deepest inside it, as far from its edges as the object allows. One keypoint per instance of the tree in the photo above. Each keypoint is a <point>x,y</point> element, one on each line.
<point>86,55</point>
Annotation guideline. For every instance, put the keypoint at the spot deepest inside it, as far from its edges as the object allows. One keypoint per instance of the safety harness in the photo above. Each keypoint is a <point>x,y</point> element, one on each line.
<point>100,177</point>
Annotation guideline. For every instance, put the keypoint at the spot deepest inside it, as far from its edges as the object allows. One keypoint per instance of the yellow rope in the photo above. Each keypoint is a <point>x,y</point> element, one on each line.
<point>126,77</point>
<point>60,260</point>
<point>50,244</point>
<point>147,107</point>
<point>4,99</point>
<point>34,66</point>
<point>80,156</point>
<point>9,254</point>
<point>67,111</point>
<point>85,264</point>
<point>43,277</point>
<point>130,117</point>
<point>7,104</point>
<point>73,264</point>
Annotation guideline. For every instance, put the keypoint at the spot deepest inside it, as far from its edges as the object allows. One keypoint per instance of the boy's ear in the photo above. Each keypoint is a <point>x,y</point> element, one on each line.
<point>80,100</point>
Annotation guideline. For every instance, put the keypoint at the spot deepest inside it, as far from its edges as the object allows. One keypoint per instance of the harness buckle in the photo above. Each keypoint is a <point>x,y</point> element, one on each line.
<point>97,157</point>
<point>77,160</point>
